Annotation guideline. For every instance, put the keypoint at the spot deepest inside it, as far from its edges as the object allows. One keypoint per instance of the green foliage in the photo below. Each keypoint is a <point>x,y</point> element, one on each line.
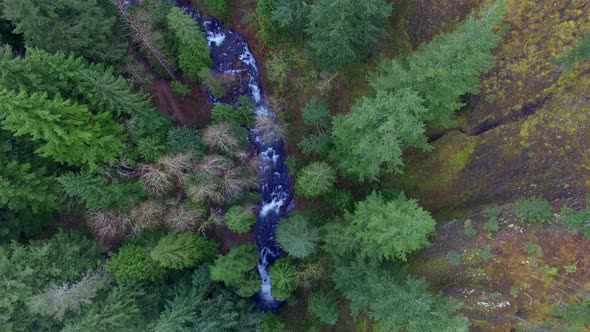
<point>298,236</point>
<point>446,68</point>
<point>283,279</point>
<point>24,188</point>
<point>132,263</point>
<point>533,248</point>
<point>218,8</point>
<point>316,113</point>
<point>272,323</point>
<point>291,16</point>
<point>183,250</point>
<point>239,219</point>
<point>340,200</point>
<point>375,132</point>
<point>454,258</point>
<point>395,298</point>
<point>344,31</point>
<point>315,179</point>
<point>235,268</point>
<point>202,306</point>
<point>468,228</point>
<point>56,301</point>
<point>95,192</point>
<point>269,31</point>
<point>179,89</point>
<point>185,140</point>
<point>89,28</point>
<point>534,210</point>
<point>579,53</point>
<point>119,310</point>
<point>324,306</point>
<point>575,316</point>
<point>193,51</point>
<point>68,132</point>
<point>491,225</point>
<point>383,230</point>
<point>26,271</point>
<point>236,116</point>
<point>318,143</point>
<point>576,221</point>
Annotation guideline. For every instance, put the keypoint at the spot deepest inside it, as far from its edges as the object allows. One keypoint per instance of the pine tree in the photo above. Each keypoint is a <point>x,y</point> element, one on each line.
<point>69,133</point>
<point>83,27</point>
<point>344,31</point>
<point>183,250</point>
<point>239,219</point>
<point>446,68</point>
<point>384,230</point>
<point>324,306</point>
<point>193,51</point>
<point>23,188</point>
<point>395,298</point>
<point>376,131</point>
<point>316,179</point>
<point>291,16</point>
<point>235,269</point>
<point>96,193</point>
<point>58,300</point>
<point>30,270</point>
<point>297,236</point>
<point>132,263</point>
<point>283,278</point>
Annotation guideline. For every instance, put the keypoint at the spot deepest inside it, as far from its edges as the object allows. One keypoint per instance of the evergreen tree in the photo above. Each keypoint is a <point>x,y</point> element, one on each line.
<point>344,31</point>
<point>70,133</point>
<point>375,132</point>
<point>96,193</point>
<point>27,271</point>
<point>22,188</point>
<point>83,27</point>
<point>193,51</point>
<point>236,269</point>
<point>132,263</point>
<point>324,306</point>
<point>316,113</point>
<point>291,16</point>
<point>119,310</point>
<point>183,250</point>
<point>239,219</point>
<point>68,298</point>
<point>315,179</point>
<point>395,298</point>
<point>283,278</point>
<point>297,236</point>
<point>383,230</point>
<point>446,68</point>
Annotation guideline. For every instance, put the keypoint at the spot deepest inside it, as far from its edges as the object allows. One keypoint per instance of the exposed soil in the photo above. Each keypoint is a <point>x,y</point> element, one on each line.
<point>193,110</point>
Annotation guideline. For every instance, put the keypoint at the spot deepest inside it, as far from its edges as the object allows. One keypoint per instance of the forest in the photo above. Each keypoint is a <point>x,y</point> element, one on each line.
<point>294,165</point>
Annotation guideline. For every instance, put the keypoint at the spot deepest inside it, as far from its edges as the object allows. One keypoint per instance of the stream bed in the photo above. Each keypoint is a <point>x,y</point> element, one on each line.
<point>231,55</point>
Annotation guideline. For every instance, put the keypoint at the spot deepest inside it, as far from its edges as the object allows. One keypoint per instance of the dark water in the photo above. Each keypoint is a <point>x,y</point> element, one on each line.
<point>231,55</point>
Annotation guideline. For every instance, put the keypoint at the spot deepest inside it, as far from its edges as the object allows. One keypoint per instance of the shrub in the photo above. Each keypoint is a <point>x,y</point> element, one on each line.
<point>298,237</point>
<point>146,216</point>
<point>156,180</point>
<point>454,258</point>
<point>181,90</point>
<point>109,224</point>
<point>133,264</point>
<point>237,116</point>
<point>316,179</point>
<point>576,221</point>
<point>185,140</point>
<point>468,228</point>
<point>239,219</point>
<point>183,219</point>
<point>534,209</point>
<point>324,306</point>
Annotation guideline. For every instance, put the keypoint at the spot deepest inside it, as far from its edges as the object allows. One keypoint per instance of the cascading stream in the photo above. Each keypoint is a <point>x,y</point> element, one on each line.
<point>231,55</point>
